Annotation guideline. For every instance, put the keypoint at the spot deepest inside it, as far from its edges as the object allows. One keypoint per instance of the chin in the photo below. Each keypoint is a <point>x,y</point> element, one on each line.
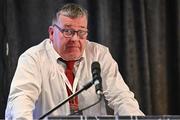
<point>73,57</point>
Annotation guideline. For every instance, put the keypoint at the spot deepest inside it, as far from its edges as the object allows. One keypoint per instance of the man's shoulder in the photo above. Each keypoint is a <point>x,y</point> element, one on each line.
<point>94,45</point>
<point>95,50</point>
<point>38,49</point>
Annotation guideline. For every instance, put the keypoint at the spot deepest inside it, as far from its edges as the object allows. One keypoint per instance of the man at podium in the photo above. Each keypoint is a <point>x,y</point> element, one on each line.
<point>56,68</point>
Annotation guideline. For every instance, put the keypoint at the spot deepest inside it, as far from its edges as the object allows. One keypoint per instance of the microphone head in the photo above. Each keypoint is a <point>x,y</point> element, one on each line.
<point>95,67</point>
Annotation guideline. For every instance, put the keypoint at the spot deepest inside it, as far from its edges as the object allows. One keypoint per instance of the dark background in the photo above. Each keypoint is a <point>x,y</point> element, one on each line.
<point>142,35</point>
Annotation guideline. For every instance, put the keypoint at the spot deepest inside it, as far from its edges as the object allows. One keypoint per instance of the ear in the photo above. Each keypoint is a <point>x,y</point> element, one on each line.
<point>51,32</point>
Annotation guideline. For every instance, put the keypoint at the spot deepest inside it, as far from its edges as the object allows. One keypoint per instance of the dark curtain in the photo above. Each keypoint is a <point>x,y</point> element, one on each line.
<point>142,35</point>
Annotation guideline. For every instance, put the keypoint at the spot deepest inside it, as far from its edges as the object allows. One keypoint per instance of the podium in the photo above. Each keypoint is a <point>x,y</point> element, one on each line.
<point>111,117</point>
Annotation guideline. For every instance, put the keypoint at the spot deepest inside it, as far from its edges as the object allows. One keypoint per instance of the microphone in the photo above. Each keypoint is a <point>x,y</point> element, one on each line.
<point>96,71</point>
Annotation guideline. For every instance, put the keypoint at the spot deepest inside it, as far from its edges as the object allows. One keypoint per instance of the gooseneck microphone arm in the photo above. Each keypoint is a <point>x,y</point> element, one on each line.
<point>85,87</point>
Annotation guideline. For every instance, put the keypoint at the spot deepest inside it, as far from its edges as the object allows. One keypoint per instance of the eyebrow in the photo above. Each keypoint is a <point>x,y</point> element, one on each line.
<point>71,25</point>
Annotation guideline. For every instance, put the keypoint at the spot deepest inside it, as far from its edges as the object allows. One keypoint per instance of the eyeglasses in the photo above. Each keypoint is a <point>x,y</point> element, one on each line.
<point>68,33</point>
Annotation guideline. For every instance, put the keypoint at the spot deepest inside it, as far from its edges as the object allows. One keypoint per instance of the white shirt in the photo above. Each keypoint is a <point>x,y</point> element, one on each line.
<point>39,84</point>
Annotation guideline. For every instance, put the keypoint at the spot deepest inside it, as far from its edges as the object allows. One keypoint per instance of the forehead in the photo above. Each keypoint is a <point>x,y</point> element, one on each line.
<point>73,22</point>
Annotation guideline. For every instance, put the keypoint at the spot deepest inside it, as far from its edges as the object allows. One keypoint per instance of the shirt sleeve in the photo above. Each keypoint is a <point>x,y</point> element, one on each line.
<point>25,89</point>
<point>117,93</point>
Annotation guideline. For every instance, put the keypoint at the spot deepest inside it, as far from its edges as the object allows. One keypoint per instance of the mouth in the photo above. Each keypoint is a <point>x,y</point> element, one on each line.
<point>72,48</point>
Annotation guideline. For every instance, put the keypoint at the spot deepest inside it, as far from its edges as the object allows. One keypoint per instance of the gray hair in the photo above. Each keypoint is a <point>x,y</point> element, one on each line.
<point>70,10</point>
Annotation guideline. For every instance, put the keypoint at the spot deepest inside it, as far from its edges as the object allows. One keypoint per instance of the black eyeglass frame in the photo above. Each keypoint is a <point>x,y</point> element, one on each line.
<point>82,36</point>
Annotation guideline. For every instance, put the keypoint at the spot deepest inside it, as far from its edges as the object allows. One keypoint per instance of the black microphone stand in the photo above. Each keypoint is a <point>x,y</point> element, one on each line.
<point>88,85</point>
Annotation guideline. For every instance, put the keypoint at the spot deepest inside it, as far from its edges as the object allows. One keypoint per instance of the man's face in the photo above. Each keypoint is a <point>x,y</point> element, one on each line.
<point>69,48</point>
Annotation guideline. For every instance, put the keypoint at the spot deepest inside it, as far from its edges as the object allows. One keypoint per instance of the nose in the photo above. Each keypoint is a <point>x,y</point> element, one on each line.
<point>75,37</point>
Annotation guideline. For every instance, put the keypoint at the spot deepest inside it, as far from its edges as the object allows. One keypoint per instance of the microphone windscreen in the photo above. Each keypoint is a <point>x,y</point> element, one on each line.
<point>95,66</point>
